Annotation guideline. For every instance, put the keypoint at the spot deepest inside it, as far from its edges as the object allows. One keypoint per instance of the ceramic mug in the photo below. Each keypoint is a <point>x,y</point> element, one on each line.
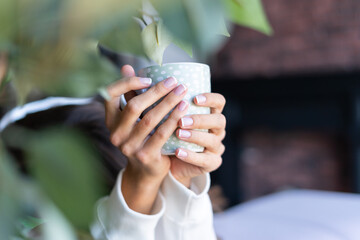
<point>196,77</point>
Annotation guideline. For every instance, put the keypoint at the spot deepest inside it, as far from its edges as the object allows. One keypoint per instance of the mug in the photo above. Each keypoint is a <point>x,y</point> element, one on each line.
<point>196,77</point>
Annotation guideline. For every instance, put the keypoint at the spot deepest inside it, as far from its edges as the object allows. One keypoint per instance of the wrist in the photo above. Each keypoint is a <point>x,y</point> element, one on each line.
<point>140,181</point>
<point>139,190</point>
<point>186,181</point>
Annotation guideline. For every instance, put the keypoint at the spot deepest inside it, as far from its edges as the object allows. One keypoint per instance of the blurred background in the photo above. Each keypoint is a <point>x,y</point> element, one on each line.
<point>293,101</point>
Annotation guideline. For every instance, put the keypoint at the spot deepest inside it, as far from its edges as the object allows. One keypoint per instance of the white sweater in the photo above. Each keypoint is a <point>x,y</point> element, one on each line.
<point>178,214</point>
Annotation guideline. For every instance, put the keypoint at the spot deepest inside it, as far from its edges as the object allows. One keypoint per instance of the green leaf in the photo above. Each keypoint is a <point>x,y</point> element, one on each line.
<point>8,23</point>
<point>65,166</point>
<point>187,47</point>
<point>30,222</point>
<point>248,13</point>
<point>155,41</point>
<point>10,205</point>
<point>56,226</point>
<point>195,23</point>
<point>125,39</point>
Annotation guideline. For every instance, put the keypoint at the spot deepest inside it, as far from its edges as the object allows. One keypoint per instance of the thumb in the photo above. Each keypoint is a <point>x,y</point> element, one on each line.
<point>127,71</point>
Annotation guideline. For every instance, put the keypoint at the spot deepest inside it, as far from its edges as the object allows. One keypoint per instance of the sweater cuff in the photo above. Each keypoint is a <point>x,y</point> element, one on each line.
<point>116,216</point>
<point>185,204</point>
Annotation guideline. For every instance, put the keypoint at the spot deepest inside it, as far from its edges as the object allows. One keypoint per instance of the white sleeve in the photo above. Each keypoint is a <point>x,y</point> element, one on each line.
<point>115,220</point>
<point>188,214</point>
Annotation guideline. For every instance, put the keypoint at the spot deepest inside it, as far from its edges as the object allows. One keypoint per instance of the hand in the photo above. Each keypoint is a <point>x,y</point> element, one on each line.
<point>188,164</point>
<point>146,167</point>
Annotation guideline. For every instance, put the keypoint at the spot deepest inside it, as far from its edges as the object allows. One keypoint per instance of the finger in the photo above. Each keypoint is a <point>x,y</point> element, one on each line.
<point>214,121</point>
<point>134,108</point>
<point>127,84</point>
<point>206,160</point>
<point>127,71</point>
<point>154,116</point>
<point>118,88</point>
<point>208,140</point>
<point>164,132</point>
<point>138,104</point>
<point>215,101</point>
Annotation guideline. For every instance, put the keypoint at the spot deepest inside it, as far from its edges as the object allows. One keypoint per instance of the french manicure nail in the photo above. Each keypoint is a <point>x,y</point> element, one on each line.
<point>180,89</point>
<point>182,153</point>
<point>170,82</point>
<point>200,99</point>
<point>184,133</point>
<point>182,105</point>
<point>146,81</point>
<point>186,121</point>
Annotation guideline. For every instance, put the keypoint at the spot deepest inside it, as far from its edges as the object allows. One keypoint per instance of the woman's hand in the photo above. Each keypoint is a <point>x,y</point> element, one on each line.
<point>188,164</point>
<point>146,167</point>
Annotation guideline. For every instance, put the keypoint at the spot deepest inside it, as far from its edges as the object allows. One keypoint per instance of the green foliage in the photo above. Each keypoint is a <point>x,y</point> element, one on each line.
<point>52,47</point>
<point>65,167</point>
<point>248,13</point>
<point>62,188</point>
<point>155,41</point>
<point>9,196</point>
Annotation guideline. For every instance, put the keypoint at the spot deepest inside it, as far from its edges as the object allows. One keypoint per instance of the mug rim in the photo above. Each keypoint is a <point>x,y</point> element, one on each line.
<point>177,63</point>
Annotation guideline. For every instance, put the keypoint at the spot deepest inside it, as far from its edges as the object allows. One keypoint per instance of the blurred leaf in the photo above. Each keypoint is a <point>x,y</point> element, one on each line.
<point>248,13</point>
<point>155,41</point>
<point>105,94</point>
<point>187,47</point>
<point>176,18</point>
<point>125,39</point>
<point>30,222</point>
<point>223,29</point>
<point>196,23</point>
<point>56,226</point>
<point>95,18</point>
<point>8,23</point>
<point>66,168</point>
<point>66,69</point>
<point>9,196</point>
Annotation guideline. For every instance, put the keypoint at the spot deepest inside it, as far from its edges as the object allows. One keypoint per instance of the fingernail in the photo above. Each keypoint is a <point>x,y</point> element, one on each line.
<point>182,105</point>
<point>170,82</point>
<point>200,99</point>
<point>146,81</point>
<point>180,89</point>
<point>184,133</point>
<point>186,121</point>
<point>182,153</point>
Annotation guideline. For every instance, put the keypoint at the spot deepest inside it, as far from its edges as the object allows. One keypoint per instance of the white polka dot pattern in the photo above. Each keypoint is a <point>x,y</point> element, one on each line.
<point>196,77</point>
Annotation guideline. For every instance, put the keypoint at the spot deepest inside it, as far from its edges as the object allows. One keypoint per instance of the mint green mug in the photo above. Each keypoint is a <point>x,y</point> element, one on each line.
<point>196,77</point>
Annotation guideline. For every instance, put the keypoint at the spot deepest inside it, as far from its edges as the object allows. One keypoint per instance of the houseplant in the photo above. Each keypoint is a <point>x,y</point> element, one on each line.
<point>199,26</point>
<point>50,46</point>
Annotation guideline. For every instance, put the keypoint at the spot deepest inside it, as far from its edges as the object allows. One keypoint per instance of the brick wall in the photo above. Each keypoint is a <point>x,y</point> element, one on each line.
<point>273,161</point>
<point>321,36</point>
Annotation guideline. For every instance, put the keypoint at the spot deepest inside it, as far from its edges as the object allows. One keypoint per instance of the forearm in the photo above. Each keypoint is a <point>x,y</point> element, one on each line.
<point>139,192</point>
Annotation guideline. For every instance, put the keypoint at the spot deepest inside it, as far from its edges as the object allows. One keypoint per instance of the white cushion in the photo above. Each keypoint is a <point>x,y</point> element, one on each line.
<point>293,215</point>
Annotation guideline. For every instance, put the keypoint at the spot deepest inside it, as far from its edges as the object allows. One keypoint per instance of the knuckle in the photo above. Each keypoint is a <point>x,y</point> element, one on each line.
<point>126,149</point>
<point>142,156</point>
<point>222,120</point>
<point>146,120</point>
<point>222,100</point>
<point>222,149</point>
<point>222,135</point>
<point>218,162</point>
<point>159,89</point>
<point>131,81</point>
<point>161,133</point>
<point>115,139</point>
<point>133,107</point>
